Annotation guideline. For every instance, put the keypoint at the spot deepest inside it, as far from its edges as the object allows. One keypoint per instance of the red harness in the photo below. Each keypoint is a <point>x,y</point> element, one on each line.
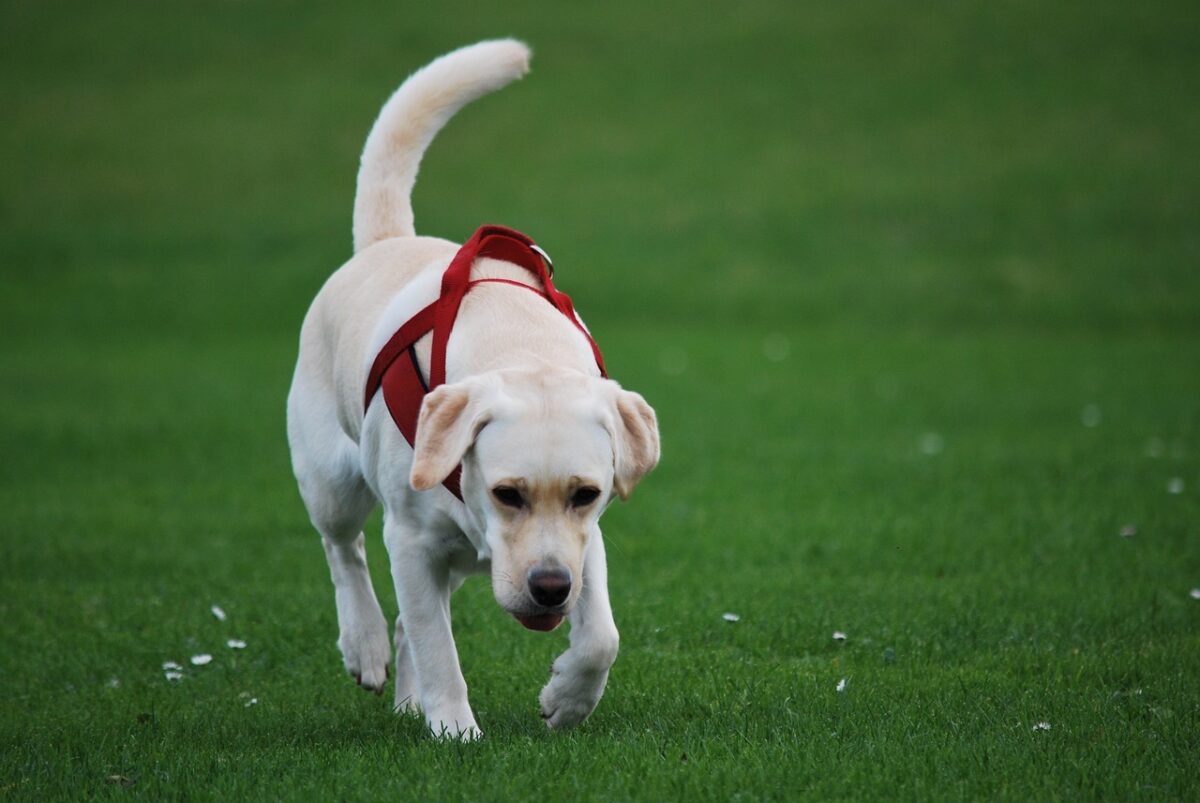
<point>400,377</point>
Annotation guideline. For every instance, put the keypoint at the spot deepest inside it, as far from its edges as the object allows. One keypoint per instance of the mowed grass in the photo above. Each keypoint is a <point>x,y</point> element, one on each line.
<point>913,290</point>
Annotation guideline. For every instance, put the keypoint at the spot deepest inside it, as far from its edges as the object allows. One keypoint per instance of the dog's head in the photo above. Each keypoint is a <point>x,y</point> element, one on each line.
<point>543,453</point>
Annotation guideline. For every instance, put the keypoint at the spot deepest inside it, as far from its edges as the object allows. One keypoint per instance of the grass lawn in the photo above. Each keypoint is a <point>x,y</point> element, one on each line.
<point>915,291</point>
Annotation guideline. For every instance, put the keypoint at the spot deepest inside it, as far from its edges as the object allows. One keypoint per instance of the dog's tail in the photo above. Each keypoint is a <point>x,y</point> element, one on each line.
<point>409,121</point>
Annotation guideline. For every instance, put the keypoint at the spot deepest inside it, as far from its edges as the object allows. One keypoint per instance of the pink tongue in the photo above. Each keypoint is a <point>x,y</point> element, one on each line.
<point>542,621</point>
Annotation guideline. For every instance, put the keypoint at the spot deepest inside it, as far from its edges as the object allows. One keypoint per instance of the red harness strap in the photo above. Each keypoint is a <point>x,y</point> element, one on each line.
<point>399,375</point>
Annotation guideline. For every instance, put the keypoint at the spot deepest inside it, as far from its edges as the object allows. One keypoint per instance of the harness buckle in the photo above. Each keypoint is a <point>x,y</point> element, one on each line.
<point>545,258</point>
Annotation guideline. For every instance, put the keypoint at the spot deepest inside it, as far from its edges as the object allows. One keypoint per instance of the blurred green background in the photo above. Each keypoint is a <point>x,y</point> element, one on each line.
<point>913,287</point>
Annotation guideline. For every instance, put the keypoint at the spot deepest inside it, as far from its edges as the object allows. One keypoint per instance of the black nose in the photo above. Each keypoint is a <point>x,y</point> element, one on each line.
<point>549,587</point>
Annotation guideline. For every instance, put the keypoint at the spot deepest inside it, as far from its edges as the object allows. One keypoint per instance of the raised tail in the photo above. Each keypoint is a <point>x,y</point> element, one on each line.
<point>409,121</point>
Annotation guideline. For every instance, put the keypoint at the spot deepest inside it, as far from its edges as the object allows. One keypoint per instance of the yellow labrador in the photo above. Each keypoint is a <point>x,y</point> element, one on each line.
<point>544,441</point>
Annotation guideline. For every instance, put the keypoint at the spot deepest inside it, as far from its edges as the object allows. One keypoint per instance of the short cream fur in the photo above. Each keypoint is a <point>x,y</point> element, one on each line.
<point>524,410</point>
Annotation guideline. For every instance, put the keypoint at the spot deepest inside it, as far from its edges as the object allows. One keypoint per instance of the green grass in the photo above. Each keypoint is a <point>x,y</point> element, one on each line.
<point>812,237</point>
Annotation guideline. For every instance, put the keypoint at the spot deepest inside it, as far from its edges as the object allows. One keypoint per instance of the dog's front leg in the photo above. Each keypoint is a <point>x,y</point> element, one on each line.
<point>578,676</point>
<point>423,586</point>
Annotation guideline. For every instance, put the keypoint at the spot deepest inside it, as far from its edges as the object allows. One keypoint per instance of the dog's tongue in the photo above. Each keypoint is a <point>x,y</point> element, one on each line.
<point>543,622</point>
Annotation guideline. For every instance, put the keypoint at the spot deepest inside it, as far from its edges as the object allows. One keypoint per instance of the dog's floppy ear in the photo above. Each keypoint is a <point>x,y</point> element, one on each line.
<point>634,431</point>
<point>451,417</point>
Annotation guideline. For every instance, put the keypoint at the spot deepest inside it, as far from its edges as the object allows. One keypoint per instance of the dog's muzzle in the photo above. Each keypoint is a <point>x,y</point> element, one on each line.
<point>549,587</point>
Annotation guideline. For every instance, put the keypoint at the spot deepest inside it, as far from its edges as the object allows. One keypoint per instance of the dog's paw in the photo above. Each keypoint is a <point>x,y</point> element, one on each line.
<point>570,697</point>
<point>455,727</point>
<point>407,700</point>
<point>577,680</point>
<point>367,655</point>
<point>407,704</point>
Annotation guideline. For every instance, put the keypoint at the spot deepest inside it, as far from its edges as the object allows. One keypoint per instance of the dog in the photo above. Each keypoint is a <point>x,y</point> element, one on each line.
<point>520,443</point>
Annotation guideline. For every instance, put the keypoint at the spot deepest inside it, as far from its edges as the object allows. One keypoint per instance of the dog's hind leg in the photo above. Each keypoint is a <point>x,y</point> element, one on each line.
<point>408,696</point>
<point>362,629</point>
<point>408,693</point>
<point>339,501</point>
<point>424,581</point>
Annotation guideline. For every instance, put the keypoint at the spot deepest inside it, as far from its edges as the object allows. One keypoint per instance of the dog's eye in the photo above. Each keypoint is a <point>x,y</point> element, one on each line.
<point>509,497</point>
<point>584,496</point>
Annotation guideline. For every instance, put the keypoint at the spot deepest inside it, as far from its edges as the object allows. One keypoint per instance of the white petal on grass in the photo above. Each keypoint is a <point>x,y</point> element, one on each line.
<point>113,683</point>
<point>839,635</point>
<point>201,659</point>
<point>1042,726</point>
<point>235,644</point>
<point>171,665</point>
<point>776,347</point>
<point>673,361</point>
<point>1195,593</point>
<point>1129,531</point>
<point>841,685</point>
<point>932,443</point>
<point>250,702</point>
<point>217,612</point>
<point>173,675</point>
<point>730,617</point>
<point>1091,416</point>
<point>1175,485</point>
